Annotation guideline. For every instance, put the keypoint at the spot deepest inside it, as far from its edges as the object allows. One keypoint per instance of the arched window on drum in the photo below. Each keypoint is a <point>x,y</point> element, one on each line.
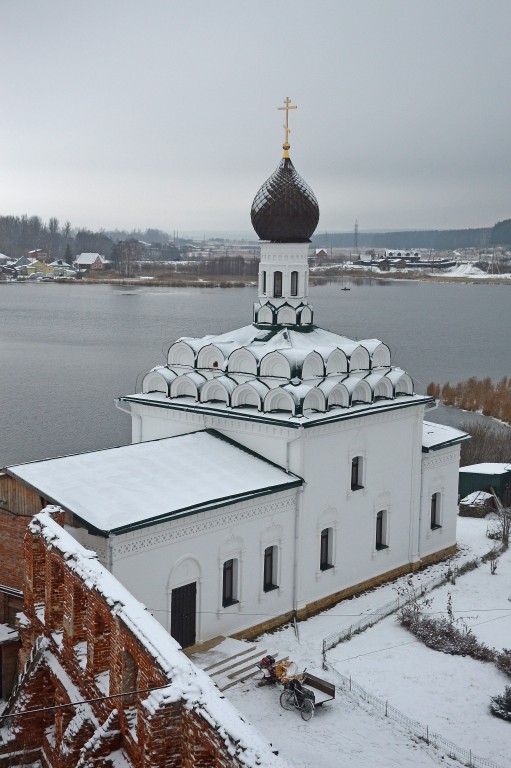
<point>277,285</point>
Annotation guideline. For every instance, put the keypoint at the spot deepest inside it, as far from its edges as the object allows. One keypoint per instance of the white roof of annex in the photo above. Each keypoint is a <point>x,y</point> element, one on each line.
<point>278,373</point>
<point>488,468</point>
<point>436,436</point>
<point>120,489</point>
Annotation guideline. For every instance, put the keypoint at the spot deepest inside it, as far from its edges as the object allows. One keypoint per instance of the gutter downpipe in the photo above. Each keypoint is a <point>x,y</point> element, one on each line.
<point>109,553</point>
<point>117,401</point>
<point>299,504</point>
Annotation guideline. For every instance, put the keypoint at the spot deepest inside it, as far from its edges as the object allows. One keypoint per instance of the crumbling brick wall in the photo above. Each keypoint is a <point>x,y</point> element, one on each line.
<point>88,653</point>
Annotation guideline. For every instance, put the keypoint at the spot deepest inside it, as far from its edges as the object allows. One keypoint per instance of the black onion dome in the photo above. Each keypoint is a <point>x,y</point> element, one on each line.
<point>285,209</point>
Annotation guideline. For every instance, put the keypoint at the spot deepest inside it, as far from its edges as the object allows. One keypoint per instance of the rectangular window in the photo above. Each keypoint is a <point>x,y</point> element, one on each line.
<point>229,587</point>
<point>435,511</point>
<point>277,285</point>
<point>381,530</point>
<point>270,569</point>
<point>325,557</point>
<point>357,464</point>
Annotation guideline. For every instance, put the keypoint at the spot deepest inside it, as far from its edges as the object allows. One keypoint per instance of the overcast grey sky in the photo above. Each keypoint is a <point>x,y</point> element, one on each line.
<point>163,113</point>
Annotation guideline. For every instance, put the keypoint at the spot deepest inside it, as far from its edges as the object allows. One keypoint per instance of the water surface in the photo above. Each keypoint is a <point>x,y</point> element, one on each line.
<point>67,350</point>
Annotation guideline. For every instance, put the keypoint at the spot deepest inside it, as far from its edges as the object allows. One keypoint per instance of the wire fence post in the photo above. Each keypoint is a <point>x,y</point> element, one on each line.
<point>386,708</point>
<point>427,734</point>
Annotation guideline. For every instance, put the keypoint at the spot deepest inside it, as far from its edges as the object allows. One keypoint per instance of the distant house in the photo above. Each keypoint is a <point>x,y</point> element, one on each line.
<point>21,262</point>
<point>61,268</point>
<point>33,266</point>
<point>484,477</point>
<point>91,261</point>
<point>39,253</point>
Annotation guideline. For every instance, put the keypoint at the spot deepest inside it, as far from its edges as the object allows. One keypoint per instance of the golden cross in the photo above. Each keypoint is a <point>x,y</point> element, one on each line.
<point>287,102</point>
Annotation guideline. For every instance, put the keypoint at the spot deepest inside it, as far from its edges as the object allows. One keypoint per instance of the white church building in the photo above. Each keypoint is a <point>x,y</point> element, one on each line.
<point>274,469</point>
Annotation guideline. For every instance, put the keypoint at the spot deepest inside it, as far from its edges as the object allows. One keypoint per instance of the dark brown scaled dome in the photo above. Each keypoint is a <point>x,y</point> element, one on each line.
<point>285,209</point>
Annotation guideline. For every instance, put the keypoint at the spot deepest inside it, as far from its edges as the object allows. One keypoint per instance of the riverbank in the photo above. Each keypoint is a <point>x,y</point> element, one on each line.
<point>465,274</point>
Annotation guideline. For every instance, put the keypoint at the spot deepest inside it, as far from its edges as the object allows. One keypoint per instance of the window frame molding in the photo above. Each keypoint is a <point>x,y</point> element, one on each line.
<point>383,544</point>
<point>275,567</point>
<point>329,564</point>
<point>438,512</point>
<point>360,458</point>
<point>234,599</point>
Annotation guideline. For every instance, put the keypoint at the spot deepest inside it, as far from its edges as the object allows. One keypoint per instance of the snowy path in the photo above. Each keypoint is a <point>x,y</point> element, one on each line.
<point>449,694</point>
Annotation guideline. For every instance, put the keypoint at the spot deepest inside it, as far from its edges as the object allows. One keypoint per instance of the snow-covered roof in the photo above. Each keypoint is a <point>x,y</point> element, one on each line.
<point>488,468</point>
<point>435,436</point>
<point>134,486</point>
<point>89,258</point>
<point>187,682</point>
<point>59,263</point>
<point>476,499</point>
<point>300,375</point>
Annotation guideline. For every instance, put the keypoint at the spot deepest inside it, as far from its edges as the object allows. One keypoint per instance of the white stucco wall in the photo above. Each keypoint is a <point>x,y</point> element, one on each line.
<point>397,479</point>
<point>153,561</point>
<point>391,475</point>
<point>440,470</point>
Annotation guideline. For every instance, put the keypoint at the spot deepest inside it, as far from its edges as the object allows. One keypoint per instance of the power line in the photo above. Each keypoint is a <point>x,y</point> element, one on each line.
<point>84,701</point>
<point>344,615</point>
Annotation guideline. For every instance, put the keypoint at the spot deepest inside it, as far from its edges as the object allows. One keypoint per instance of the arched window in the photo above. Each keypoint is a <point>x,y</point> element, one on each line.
<point>277,285</point>
<point>435,511</point>
<point>270,569</point>
<point>294,283</point>
<point>326,546</point>
<point>381,530</point>
<point>230,583</point>
<point>357,473</point>
<point>263,285</point>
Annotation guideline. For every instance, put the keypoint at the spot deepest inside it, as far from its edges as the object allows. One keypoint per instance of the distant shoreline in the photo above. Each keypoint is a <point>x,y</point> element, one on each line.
<point>241,282</point>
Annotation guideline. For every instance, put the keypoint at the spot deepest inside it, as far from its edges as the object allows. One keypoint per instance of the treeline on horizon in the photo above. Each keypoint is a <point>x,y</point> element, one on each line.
<point>477,395</point>
<point>20,234</point>
<point>434,239</point>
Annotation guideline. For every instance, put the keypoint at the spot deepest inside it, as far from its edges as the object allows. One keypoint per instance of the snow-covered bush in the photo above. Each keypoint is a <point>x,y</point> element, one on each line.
<point>503,661</point>
<point>500,706</point>
<point>443,634</point>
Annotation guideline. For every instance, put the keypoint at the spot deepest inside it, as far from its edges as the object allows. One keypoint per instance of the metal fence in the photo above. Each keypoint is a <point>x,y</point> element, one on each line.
<point>393,605</point>
<point>465,756</point>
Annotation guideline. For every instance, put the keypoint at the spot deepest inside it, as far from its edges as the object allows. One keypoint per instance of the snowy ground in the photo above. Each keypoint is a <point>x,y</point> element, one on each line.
<point>462,270</point>
<point>449,694</point>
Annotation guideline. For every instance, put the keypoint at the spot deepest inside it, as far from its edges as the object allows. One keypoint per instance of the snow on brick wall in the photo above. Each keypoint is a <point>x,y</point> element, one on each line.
<point>95,641</point>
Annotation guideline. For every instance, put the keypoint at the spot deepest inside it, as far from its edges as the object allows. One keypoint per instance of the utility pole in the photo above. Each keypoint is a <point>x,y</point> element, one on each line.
<point>355,238</point>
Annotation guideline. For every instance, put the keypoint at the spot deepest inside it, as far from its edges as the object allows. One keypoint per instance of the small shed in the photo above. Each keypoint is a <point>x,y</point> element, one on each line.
<point>476,504</point>
<point>484,477</point>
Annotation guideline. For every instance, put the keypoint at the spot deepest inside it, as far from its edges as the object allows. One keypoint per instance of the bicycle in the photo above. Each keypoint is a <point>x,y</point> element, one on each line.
<point>294,696</point>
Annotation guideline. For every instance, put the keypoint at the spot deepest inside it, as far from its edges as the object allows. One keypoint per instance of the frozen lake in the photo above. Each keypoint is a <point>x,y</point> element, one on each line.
<point>66,351</point>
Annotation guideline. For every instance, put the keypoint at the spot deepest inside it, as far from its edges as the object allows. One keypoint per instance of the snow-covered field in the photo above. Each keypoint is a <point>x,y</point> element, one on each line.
<point>464,269</point>
<point>449,694</point>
